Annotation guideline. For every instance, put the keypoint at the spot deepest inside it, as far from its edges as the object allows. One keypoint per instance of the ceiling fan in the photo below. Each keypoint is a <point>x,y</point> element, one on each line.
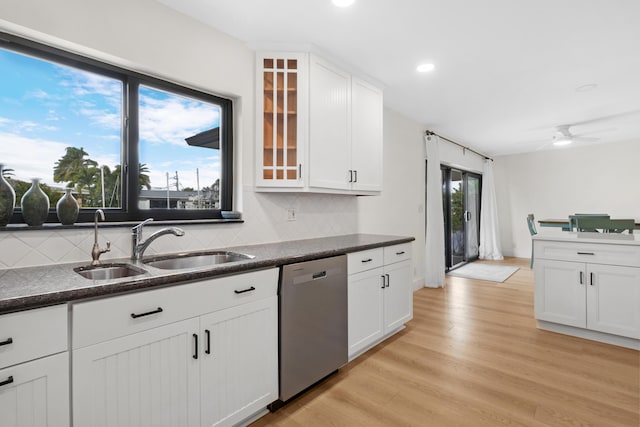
<point>563,136</point>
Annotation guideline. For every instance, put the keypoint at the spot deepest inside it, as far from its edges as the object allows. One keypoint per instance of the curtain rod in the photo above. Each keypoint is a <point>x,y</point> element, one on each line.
<point>429,133</point>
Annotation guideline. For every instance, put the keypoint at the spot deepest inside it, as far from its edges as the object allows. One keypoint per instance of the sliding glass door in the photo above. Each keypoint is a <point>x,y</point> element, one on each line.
<point>461,209</point>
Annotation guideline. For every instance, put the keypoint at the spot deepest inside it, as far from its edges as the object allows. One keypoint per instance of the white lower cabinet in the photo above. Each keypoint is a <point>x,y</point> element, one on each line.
<point>588,285</point>
<point>239,372</point>
<point>146,379</point>
<point>380,296</point>
<point>366,307</point>
<point>36,393</point>
<point>34,368</point>
<point>213,369</point>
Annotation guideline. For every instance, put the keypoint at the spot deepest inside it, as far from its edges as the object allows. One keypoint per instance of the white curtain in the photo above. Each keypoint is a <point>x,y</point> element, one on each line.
<point>472,207</point>
<point>490,247</point>
<point>434,240</point>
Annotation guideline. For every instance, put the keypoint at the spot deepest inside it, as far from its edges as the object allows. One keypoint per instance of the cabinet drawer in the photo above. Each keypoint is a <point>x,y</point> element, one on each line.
<point>104,319</point>
<point>31,334</point>
<point>597,253</point>
<point>397,253</point>
<point>364,260</point>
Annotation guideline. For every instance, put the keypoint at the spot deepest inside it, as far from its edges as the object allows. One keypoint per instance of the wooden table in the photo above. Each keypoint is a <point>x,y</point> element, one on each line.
<point>564,223</point>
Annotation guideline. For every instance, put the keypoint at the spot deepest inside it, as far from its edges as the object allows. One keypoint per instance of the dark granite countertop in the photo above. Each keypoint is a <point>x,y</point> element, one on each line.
<point>30,287</point>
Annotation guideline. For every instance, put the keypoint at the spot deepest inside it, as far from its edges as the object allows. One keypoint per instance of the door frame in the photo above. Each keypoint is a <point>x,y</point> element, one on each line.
<point>446,206</point>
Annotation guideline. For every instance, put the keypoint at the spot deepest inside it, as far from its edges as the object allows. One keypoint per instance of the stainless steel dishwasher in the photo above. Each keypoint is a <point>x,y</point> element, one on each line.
<point>313,323</point>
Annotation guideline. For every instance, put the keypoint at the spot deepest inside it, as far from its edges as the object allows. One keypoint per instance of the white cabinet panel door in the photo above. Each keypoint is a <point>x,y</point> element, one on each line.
<point>239,361</point>
<point>146,379</point>
<point>36,394</point>
<point>560,292</point>
<point>329,126</point>
<point>398,295</point>
<point>365,299</point>
<point>366,136</point>
<point>613,300</point>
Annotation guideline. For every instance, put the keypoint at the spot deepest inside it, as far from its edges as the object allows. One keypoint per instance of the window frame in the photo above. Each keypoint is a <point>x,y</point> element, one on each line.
<point>131,80</point>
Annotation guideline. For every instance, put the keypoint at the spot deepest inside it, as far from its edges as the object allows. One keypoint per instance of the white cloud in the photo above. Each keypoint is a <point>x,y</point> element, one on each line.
<point>37,93</point>
<point>31,157</point>
<point>174,119</point>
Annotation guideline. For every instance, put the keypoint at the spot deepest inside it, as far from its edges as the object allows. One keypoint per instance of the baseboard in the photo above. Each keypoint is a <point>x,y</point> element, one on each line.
<point>631,343</point>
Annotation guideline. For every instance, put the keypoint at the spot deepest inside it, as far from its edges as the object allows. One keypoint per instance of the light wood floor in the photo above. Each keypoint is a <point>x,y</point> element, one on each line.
<point>472,356</point>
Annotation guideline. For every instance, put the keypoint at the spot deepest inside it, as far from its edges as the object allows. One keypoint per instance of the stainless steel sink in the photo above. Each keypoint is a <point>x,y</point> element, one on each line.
<point>108,271</point>
<point>186,260</point>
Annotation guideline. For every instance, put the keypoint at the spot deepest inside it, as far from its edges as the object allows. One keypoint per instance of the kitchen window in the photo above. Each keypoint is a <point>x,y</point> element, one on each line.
<point>132,145</point>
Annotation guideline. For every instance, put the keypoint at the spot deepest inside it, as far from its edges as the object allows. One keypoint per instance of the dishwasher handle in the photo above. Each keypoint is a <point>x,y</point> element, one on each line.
<point>319,275</point>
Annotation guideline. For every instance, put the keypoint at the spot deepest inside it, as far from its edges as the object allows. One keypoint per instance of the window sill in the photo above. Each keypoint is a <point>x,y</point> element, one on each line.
<point>57,226</point>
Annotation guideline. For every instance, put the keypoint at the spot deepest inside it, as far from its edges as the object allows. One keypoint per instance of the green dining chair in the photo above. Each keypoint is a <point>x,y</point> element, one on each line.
<point>532,230</point>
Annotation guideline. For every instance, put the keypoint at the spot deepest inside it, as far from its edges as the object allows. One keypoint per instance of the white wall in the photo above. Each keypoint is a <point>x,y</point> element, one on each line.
<point>400,208</point>
<point>146,36</point>
<point>558,183</point>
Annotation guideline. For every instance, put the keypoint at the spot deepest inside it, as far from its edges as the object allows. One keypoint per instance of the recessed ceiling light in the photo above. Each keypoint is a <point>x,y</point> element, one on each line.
<point>343,3</point>
<point>425,68</point>
<point>560,142</point>
<point>586,88</point>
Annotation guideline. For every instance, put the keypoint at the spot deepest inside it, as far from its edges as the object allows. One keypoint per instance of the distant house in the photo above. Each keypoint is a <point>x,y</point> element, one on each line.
<point>161,198</point>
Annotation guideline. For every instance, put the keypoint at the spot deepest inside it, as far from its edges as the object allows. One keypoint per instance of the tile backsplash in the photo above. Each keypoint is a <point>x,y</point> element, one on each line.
<point>265,220</point>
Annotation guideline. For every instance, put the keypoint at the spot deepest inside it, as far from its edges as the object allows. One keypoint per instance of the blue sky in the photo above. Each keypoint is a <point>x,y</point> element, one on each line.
<point>45,107</point>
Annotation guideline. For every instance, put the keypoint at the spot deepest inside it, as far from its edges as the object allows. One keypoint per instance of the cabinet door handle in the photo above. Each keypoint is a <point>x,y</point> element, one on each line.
<point>195,346</point>
<point>367,260</point>
<point>355,174</point>
<point>400,253</point>
<point>207,333</point>
<point>581,278</point>
<point>384,285</point>
<point>7,381</point>
<point>350,175</point>
<point>148,313</point>
<point>388,280</point>
<point>586,253</point>
<point>299,170</point>
<point>591,278</point>
<point>245,290</point>
<point>6,342</point>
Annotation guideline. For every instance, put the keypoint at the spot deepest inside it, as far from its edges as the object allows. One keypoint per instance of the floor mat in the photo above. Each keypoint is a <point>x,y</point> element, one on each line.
<point>490,272</point>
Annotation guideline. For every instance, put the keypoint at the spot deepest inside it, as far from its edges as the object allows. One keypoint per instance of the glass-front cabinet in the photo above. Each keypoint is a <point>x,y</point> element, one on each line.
<point>280,119</point>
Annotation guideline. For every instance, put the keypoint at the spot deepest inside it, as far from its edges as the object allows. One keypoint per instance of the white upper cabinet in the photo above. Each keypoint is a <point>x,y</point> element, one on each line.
<point>366,136</point>
<point>331,142</point>
<point>329,126</point>
<point>281,119</point>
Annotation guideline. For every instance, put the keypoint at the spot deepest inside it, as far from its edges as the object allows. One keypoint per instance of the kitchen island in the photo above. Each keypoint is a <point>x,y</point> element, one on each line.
<point>589,286</point>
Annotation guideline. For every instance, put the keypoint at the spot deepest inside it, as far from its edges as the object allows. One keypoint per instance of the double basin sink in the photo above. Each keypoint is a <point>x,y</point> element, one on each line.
<point>165,262</point>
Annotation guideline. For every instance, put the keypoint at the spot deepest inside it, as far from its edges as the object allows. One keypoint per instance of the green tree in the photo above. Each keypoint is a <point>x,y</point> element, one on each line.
<point>20,187</point>
<point>143,176</point>
<point>72,165</point>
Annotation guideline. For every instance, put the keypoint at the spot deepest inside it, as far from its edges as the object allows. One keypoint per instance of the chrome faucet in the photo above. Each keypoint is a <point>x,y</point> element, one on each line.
<point>96,251</point>
<point>138,245</point>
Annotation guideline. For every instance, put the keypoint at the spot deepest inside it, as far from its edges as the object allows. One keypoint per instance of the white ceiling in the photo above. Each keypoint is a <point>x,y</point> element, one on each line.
<point>506,70</point>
